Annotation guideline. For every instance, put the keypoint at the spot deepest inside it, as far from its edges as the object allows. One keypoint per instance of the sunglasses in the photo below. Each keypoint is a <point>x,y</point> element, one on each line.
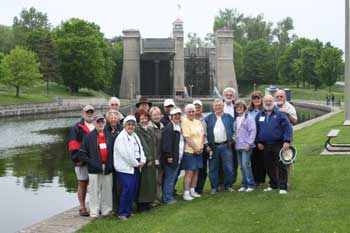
<point>256,98</point>
<point>114,104</point>
<point>89,111</point>
<point>100,121</point>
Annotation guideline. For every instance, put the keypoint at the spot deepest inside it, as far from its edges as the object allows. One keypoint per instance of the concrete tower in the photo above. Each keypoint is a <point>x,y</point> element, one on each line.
<point>225,71</point>
<point>179,62</point>
<point>130,83</point>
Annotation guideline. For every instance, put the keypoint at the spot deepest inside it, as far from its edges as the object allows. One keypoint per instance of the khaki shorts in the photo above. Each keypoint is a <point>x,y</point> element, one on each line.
<point>82,172</point>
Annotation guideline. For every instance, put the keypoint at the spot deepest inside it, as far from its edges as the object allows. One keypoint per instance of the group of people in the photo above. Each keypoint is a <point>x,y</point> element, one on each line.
<point>138,158</point>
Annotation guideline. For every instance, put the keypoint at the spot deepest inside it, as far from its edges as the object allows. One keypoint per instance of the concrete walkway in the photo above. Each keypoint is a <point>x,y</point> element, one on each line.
<point>66,222</point>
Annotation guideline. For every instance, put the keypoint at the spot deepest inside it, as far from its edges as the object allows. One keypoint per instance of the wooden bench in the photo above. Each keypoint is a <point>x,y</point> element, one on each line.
<point>335,147</point>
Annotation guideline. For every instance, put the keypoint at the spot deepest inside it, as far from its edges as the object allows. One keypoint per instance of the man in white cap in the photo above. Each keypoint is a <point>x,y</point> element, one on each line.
<point>77,134</point>
<point>168,105</point>
<point>114,104</point>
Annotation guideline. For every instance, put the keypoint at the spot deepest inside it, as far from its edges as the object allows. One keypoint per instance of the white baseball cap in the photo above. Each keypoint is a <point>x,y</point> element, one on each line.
<point>169,102</point>
<point>129,118</point>
<point>175,111</point>
<point>197,102</point>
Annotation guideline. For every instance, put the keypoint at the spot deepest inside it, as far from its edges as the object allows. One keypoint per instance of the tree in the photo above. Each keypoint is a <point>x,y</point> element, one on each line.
<point>81,46</point>
<point>330,66</point>
<point>307,61</point>
<point>256,28</point>
<point>194,41</point>
<point>21,69</point>
<point>114,65</point>
<point>282,31</point>
<point>258,64</point>
<point>6,39</point>
<point>232,19</point>
<point>28,21</point>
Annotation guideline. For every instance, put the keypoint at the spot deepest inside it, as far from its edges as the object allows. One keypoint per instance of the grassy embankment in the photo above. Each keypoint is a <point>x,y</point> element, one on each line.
<point>38,94</point>
<point>318,199</point>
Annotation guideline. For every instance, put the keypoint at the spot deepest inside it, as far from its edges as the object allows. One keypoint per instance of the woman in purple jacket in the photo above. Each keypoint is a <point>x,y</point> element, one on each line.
<point>245,132</point>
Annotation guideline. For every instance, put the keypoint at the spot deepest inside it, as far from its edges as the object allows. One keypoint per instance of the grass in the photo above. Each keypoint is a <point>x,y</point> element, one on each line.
<point>309,93</point>
<point>318,199</point>
<point>38,94</point>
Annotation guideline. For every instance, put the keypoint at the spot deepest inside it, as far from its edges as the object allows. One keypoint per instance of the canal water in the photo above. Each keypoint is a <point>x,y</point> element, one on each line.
<point>37,179</point>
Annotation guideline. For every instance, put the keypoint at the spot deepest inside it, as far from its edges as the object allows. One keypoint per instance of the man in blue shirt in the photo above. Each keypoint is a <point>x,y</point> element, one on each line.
<point>274,132</point>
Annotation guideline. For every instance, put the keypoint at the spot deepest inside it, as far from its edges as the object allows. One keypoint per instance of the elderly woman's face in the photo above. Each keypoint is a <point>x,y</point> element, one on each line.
<point>113,120</point>
<point>144,120</point>
<point>191,113</point>
<point>257,101</point>
<point>176,118</point>
<point>130,127</point>
<point>156,116</point>
<point>239,109</point>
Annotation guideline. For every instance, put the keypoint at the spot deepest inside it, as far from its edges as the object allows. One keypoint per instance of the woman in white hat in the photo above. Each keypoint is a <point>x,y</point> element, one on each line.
<point>129,159</point>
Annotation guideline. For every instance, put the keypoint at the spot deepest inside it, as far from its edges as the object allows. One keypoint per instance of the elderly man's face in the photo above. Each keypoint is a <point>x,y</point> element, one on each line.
<point>144,106</point>
<point>218,107</point>
<point>268,103</point>
<point>168,108</point>
<point>114,106</point>
<point>88,116</point>
<point>280,98</point>
<point>100,125</point>
<point>228,97</point>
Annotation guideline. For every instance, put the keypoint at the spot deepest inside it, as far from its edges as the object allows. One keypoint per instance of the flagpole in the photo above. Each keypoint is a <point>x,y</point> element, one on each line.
<point>347,66</point>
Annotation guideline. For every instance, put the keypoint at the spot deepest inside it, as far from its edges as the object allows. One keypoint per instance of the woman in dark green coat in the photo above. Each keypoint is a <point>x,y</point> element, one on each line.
<point>148,183</point>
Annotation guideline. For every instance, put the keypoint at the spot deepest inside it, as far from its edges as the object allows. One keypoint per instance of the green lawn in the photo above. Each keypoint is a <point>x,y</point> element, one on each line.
<point>309,93</point>
<point>38,94</point>
<point>318,199</point>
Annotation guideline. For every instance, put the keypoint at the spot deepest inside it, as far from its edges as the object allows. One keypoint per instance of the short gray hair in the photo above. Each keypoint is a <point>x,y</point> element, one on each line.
<point>230,89</point>
<point>189,107</point>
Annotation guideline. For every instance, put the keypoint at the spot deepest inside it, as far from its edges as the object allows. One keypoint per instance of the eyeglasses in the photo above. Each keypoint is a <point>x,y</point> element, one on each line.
<point>89,111</point>
<point>279,96</point>
<point>169,106</point>
<point>114,104</point>
<point>100,121</point>
<point>191,111</point>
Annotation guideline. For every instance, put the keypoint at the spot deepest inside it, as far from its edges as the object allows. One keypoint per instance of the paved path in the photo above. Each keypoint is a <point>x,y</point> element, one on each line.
<point>66,222</point>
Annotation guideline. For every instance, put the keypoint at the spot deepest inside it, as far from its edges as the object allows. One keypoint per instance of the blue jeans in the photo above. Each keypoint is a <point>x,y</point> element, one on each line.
<point>169,177</point>
<point>224,152</point>
<point>246,169</point>
<point>129,184</point>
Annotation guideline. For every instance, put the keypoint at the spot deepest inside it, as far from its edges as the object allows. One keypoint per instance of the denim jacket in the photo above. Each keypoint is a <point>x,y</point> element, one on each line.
<point>246,133</point>
<point>210,121</point>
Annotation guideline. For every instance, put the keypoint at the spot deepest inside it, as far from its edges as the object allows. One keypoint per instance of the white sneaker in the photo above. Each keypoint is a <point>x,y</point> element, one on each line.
<point>268,189</point>
<point>187,197</point>
<point>195,194</point>
<point>283,191</point>
<point>242,189</point>
<point>249,190</point>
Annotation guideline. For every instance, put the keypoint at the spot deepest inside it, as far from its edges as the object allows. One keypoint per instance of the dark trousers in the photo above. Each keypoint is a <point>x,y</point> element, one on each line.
<point>276,170</point>
<point>202,173</point>
<point>116,190</point>
<point>257,163</point>
<point>129,184</point>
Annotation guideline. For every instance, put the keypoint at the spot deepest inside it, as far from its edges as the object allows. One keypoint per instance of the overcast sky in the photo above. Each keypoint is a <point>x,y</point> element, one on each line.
<point>322,19</point>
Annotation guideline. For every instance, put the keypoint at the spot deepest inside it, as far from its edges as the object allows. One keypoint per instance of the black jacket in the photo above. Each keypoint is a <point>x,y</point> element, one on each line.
<point>170,144</point>
<point>76,136</point>
<point>90,153</point>
<point>165,119</point>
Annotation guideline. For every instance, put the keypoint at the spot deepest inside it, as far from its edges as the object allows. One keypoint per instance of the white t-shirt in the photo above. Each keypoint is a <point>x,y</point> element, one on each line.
<point>229,109</point>
<point>219,131</point>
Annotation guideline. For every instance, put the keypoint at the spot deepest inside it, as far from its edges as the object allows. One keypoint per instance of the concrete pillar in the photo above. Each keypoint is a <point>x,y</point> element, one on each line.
<point>225,71</point>
<point>156,74</point>
<point>179,59</point>
<point>130,83</point>
<point>347,65</point>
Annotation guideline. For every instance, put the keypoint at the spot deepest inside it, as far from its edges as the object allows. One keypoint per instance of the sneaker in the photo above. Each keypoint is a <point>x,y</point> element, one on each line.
<point>194,194</point>
<point>268,189</point>
<point>123,218</point>
<point>249,190</point>
<point>171,202</point>
<point>214,191</point>
<point>242,189</point>
<point>187,197</point>
<point>230,190</point>
<point>282,191</point>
